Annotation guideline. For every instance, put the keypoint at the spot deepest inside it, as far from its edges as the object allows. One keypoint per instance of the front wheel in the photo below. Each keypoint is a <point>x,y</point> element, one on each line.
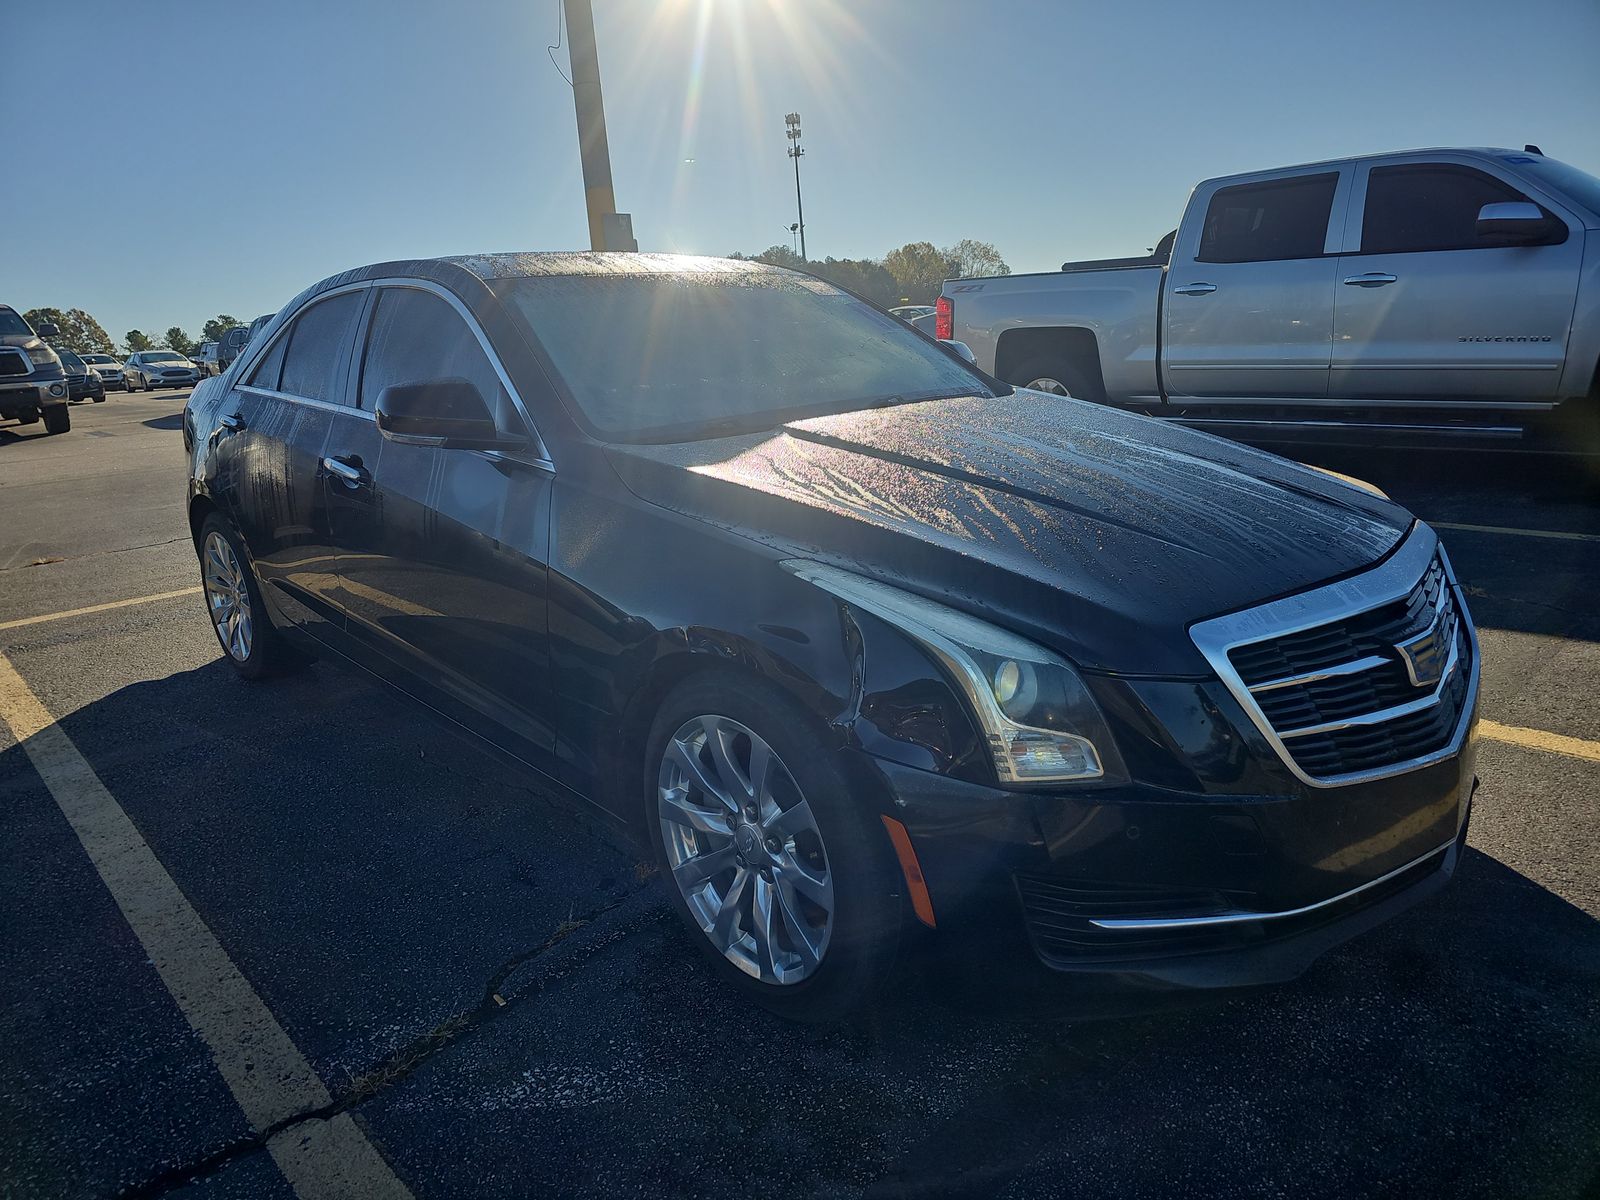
<point>57,419</point>
<point>100,399</point>
<point>233,602</point>
<point>782,874</point>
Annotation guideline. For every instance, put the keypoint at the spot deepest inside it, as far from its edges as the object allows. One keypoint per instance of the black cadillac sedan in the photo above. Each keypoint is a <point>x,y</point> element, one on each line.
<point>868,646</point>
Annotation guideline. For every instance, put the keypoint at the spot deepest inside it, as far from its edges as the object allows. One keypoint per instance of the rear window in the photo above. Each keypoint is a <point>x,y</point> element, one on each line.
<point>1277,219</point>
<point>713,351</point>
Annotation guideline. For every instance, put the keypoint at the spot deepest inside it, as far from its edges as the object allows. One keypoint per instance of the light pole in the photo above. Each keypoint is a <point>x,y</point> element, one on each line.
<point>608,229</point>
<point>792,131</point>
<point>791,229</point>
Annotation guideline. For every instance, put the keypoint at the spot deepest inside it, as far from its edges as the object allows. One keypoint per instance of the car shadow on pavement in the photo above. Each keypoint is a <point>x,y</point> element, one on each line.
<point>386,886</point>
<point>170,421</point>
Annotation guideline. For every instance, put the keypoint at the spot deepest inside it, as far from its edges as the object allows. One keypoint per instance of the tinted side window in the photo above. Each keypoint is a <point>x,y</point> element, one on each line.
<point>1429,206</point>
<point>316,347</point>
<point>1257,222</point>
<point>268,369</point>
<point>416,337</point>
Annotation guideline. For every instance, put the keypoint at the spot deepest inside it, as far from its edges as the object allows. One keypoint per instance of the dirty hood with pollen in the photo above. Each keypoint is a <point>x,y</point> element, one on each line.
<point>1099,532</point>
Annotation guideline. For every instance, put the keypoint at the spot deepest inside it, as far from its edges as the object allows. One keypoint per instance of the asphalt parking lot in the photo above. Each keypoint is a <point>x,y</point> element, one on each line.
<point>487,992</point>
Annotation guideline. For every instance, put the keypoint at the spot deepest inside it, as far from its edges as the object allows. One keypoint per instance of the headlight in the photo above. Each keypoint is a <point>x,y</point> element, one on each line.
<point>1040,722</point>
<point>41,355</point>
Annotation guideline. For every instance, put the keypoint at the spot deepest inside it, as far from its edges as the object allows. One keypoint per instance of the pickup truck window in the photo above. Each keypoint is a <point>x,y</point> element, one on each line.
<point>10,323</point>
<point>1277,219</point>
<point>1430,206</point>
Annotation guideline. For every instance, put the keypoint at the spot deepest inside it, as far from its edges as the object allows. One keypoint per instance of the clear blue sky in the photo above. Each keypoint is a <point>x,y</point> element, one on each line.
<point>169,161</point>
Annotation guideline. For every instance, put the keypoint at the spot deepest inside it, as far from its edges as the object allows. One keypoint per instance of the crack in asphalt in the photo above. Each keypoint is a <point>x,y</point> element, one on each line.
<point>14,566</point>
<point>403,1062</point>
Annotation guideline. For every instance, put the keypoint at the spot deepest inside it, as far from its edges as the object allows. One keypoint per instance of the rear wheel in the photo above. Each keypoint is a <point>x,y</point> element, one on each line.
<point>782,875</point>
<point>233,602</point>
<point>1053,375</point>
<point>57,419</point>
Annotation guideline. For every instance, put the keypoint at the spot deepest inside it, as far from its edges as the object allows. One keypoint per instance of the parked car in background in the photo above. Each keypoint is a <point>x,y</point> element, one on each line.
<point>205,358</point>
<point>855,637</point>
<point>221,353</point>
<point>1447,292</point>
<point>83,382</point>
<point>109,370</point>
<point>909,312</point>
<point>33,386</point>
<point>151,369</point>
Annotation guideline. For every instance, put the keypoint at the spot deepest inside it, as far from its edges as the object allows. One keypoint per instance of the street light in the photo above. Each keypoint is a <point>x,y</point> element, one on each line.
<point>792,131</point>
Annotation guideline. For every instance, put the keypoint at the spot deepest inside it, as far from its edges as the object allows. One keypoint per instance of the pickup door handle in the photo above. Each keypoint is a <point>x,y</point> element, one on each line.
<point>1370,279</point>
<point>349,472</point>
<point>231,421</point>
<point>1196,289</point>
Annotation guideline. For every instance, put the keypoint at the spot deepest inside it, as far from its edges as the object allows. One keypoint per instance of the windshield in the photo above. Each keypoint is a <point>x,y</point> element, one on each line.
<point>677,357</point>
<point>71,361</point>
<point>10,322</point>
<point>97,359</point>
<point>1578,186</point>
<point>164,356</point>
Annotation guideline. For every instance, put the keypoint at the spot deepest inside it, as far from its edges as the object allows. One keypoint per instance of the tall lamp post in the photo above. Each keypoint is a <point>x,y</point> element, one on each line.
<point>608,229</point>
<point>792,130</point>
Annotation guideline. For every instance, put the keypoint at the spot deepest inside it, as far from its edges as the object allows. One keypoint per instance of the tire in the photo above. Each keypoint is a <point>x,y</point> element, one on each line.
<point>1055,375</point>
<point>225,577</point>
<point>57,418</point>
<point>100,399</point>
<point>843,844</point>
<point>29,418</point>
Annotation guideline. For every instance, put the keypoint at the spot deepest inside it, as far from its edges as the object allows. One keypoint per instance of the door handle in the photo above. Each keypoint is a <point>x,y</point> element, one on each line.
<point>347,472</point>
<point>1370,279</point>
<point>1196,289</point>
<point>231,421</point>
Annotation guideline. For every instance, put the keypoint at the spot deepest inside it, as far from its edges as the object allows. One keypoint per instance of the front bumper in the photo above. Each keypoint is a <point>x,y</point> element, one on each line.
<point>1148,887</point>
<point>78,389</point>
<point>174,381</point>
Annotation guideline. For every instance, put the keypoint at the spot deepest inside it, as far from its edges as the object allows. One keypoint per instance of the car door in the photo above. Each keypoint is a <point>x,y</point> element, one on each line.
<point>275,425</point>
<point>1248,306</point>
<point>1429,309</point>
<point>443,553</point>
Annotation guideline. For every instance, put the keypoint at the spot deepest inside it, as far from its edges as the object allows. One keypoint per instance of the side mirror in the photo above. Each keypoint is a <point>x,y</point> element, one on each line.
<point>445,412</point>
<point>962,349</point>
<point>1516,219</point>
<point>48,330</point>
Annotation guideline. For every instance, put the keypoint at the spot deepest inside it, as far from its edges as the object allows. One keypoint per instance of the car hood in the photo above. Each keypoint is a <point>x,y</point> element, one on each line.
<point>1097,531</point>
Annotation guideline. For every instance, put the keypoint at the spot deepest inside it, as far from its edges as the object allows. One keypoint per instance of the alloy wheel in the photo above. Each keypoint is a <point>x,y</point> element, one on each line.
<point>227,596</point>
<point>744,850</point>
<point>1045,384</point>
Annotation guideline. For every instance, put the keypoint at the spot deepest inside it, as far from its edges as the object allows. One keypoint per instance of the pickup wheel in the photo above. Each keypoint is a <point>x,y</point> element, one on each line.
<point>1053,375</point>
<point>57,419</point>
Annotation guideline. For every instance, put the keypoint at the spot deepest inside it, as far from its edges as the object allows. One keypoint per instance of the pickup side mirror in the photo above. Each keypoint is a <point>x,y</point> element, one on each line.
<point>1515,220</point>
<point>444,412</point>
<point>48,329</point>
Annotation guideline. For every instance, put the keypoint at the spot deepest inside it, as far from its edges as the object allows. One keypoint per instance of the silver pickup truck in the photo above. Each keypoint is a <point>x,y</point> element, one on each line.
<point>1431,291</point>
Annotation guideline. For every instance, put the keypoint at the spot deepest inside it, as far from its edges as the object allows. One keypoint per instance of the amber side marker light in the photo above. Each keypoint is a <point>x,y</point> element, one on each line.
<point>921,902</point>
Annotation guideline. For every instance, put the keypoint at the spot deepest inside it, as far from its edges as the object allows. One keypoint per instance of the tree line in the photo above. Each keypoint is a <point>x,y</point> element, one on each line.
<point>82,334</point>
<point>912,274</point>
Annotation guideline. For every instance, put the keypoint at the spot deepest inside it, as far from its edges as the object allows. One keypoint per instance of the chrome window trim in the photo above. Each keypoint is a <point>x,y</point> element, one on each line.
<point>246,366</point>
<point>1245,918</point>
<point>308,401</point>
<point>540,452</point>
<point>1391,580</point>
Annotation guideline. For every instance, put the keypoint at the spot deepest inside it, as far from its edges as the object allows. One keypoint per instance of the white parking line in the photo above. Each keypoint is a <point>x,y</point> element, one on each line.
<point>265,1071</point>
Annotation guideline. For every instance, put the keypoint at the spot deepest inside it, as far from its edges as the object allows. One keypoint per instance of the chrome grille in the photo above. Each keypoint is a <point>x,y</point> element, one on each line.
<point>1360,679</point>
